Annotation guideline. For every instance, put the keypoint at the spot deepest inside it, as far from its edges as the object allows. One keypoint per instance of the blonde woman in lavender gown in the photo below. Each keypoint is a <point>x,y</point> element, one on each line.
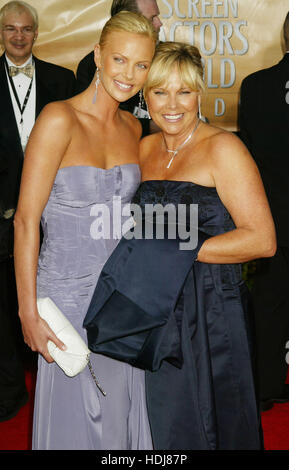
<point>82,152</point>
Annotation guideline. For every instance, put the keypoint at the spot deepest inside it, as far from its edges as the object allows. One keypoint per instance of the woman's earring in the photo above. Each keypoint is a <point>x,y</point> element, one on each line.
<point>141,111</point>
<point>97,82</point>
<point>201,117</point>
<point>138,112</point>
<point>148,113</point>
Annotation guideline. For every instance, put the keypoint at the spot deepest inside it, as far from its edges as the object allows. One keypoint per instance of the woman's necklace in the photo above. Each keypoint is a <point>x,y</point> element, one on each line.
<point>175,152</point>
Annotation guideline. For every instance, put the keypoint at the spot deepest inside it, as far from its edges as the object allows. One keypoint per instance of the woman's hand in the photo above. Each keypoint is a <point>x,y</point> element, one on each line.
<point>37,333</point>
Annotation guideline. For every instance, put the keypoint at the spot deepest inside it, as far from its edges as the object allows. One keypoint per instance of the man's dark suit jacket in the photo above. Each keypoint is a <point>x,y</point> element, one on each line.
<point>264,128</point>
<point>84,75</point>
<point>52,83</point>
<point>85,72</point>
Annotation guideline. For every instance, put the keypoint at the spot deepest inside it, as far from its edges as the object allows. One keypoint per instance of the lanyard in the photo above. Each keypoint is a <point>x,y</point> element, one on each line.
<point>21,109</point>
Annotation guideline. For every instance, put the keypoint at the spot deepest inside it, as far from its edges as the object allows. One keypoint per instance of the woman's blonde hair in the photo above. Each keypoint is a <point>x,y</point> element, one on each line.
<point>130,22</point>
<point>18,7</point>
<point>168,55</point>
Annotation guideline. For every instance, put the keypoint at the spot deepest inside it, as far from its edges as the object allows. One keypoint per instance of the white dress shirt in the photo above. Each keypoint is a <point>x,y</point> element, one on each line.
<point>21,83</point>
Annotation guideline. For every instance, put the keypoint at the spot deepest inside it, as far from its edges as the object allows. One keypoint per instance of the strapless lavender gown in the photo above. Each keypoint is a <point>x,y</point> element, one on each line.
<point>70,413</point>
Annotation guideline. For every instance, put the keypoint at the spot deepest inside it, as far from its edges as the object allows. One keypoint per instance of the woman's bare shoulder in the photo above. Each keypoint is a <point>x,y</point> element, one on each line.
<point>132,122</point>
<point>224,146</point>
<point>58,112</point>
<point>150,141</point>
<point>221,138</point>
<point>227,156</point>
<point>148,145</point>
<point>54,126</point>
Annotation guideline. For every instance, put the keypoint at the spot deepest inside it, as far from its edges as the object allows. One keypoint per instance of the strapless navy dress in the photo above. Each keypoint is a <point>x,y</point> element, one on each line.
<point>186,323</point>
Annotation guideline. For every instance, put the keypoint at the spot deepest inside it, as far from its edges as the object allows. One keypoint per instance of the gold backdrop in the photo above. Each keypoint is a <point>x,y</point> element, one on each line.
<point>235,37</point>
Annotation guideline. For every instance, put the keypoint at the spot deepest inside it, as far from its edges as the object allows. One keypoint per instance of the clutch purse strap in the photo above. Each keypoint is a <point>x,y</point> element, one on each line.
<point>94,377</point>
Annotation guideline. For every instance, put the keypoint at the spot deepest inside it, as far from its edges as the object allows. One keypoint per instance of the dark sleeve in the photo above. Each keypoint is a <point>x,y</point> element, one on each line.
<point>71,86</point>
<point>244,114</point>
<point>53,83</point>
<point>131,314</point>
<point>10,174</point>
<point>85,72</point>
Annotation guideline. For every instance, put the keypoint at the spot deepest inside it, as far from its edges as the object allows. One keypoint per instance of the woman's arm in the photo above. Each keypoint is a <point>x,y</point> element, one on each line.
<point>241,190</point>
<point>47,145</point>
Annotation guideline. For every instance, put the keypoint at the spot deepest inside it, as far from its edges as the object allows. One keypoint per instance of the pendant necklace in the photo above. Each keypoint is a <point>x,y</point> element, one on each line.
<point>175,152</point>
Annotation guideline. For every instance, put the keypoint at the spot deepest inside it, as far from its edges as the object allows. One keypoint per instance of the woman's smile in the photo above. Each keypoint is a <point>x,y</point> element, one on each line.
<point>123,86</point>
<point>173,117</point>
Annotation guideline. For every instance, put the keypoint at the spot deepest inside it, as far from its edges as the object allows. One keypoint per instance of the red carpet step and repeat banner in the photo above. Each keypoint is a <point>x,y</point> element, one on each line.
<point>235,38</point>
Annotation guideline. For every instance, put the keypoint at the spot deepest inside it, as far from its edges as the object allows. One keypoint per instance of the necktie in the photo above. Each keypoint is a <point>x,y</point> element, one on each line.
<point>27,70</point>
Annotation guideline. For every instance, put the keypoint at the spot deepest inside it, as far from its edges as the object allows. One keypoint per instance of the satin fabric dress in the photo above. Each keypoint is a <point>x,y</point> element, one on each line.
<point>186,323</point>
<point>71,413</point>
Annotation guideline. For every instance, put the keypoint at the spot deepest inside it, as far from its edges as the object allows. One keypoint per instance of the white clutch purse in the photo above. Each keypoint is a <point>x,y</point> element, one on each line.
<point>76,356</point>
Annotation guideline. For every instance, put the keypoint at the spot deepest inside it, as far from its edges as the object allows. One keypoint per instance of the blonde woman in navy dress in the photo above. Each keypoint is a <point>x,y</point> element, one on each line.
<point>183,313</point>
